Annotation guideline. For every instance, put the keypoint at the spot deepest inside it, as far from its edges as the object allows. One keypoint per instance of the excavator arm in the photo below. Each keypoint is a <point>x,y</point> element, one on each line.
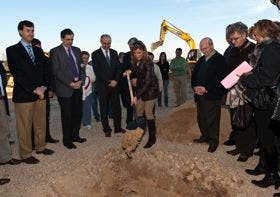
<point>167,26</point>
<point>193,55</point>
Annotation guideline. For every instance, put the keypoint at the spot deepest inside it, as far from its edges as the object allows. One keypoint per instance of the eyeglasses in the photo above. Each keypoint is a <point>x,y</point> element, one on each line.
<point>235,38</point>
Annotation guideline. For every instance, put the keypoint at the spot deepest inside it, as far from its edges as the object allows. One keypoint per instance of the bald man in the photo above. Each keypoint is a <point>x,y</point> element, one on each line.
<point>209,70</point>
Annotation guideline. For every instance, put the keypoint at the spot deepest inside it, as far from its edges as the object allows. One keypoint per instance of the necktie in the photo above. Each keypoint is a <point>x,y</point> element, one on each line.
<point>74,66</point>
<point>31,55</point>
<point>107,56</point>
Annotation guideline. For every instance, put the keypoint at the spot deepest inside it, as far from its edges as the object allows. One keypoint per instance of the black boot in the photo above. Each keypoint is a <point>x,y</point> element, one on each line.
<point>268,180</point>
<point>152,133</point>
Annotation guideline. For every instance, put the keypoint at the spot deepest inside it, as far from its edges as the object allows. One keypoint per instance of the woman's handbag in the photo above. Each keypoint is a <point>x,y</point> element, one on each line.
<point>241,117</point>
<point>264,98</point>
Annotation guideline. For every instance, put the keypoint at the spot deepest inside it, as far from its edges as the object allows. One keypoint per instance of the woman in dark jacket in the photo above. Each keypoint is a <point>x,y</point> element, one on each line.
<point>266,57</point>
<point>244,138</point>
<point>164,69</point>
<point>146,88</point>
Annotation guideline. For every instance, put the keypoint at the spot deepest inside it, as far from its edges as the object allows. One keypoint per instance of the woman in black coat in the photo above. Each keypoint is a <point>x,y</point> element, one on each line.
<point>266,72</point>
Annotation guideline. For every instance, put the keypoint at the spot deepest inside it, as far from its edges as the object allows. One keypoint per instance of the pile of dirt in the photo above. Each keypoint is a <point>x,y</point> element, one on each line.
<point>161,173</point>
<point>180,125</point>
<point>149,173</point>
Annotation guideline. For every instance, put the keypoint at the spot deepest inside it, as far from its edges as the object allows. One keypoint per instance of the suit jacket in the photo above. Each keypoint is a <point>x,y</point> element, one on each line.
<point>4,83</point>
<point>62,70</point>
<point>216,71</point>
<point>103,71</point>
<point>27,75</point>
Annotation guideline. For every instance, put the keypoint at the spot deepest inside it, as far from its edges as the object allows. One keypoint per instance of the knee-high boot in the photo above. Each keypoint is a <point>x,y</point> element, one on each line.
<point>152,133</point>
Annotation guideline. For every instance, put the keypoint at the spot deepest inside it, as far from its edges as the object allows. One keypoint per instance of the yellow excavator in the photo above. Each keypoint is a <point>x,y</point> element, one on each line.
<point>193,55</point>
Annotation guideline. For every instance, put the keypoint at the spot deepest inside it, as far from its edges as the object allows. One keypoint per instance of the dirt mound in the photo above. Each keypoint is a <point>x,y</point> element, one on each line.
<point>181,124</point>
<point>150,173</point>
<point>160,173</point>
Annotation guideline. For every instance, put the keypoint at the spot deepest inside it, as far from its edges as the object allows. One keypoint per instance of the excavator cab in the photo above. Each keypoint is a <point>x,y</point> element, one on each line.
<point>192,57</point>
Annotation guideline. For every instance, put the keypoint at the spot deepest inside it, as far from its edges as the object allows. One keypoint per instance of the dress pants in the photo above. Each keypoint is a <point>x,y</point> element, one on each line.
<point>28,114</point>
<point>107,96</point>
<point>5,148</point>
<point>71,115</point>
<point>180,88</point>
<point>208,119</point>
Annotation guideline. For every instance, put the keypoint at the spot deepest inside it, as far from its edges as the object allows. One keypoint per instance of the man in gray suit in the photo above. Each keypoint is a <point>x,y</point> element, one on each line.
<point>65,61</point>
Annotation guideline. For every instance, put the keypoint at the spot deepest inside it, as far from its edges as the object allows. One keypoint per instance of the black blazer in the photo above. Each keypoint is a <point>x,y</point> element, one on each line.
<point>216,71</point>
<point>103,71</point>
<point>27,75</point>
<point>4,83</point>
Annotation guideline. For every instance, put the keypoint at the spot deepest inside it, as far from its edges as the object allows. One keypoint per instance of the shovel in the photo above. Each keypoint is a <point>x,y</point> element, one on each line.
<point>135,129</point>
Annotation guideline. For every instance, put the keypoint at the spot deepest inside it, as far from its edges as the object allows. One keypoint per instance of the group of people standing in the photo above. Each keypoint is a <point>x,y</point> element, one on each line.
<point>258,128</point>
<point>67,73</point>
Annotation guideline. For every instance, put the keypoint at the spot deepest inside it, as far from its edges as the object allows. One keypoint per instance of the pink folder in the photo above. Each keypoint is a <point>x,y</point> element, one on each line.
<point>234,76</point>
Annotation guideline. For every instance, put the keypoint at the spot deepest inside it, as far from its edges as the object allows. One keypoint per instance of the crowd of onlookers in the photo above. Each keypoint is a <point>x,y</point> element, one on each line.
<point>99,86</point>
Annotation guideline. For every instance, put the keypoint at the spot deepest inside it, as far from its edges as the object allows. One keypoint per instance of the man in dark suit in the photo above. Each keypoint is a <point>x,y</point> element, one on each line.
<point>107,68</point>
<point>123,82</point>
<point>65,61</point>
<point>208,72</point>
<point>28,67</point>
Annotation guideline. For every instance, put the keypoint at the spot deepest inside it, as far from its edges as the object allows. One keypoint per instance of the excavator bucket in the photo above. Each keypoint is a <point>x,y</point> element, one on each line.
<point>155,45</point>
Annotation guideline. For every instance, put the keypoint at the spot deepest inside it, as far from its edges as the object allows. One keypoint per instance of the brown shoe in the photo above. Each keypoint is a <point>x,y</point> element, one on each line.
<point>12,162</point>
<point>30,160</point>
<point>4,181</point>
<point>46,151</point>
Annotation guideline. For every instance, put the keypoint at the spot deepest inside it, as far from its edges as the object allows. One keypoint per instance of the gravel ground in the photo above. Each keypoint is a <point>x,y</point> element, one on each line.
<point>89,169</point>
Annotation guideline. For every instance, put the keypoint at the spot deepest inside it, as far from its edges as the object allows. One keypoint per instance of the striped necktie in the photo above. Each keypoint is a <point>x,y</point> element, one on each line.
<point>107,57</point>
<point>31,55</point>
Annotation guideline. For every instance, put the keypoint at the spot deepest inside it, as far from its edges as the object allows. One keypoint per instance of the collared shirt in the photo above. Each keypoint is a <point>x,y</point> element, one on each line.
<point>104,52</point>
<point>25,44</point>
<point>210,55</point>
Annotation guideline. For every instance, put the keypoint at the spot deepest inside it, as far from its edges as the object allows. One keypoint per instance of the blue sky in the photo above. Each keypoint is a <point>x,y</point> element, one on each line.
<point>123,19</point>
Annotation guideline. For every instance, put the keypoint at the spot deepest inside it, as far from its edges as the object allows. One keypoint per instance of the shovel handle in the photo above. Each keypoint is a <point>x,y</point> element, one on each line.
<point>129,85</point>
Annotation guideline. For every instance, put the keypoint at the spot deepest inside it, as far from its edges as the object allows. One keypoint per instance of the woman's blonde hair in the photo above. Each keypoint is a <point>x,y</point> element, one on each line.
<point>267,28</point>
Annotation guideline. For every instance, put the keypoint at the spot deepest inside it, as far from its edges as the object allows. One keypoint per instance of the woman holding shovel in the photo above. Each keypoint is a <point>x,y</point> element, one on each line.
<point>146,87</point>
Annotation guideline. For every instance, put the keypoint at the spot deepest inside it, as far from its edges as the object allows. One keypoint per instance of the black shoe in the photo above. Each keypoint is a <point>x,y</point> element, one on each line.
<point>229,142</point>
<point>30,160</point>
<point>243,158</point>
<point>258,153</point>
<point>233,152</point>
<point>212,148</point>
<point>151,142</point>
<point>46,151</point>
<point>4,181</point>
<point>200,140</point>
<point>121,130</point>
<point>79,139</point>
<point>12,162</point>
<point>276,195</point>
<point>51,140</point>
<point>107,134</point>
<point>268,180</point>
<point>257,171</point>
<point>70,146</point>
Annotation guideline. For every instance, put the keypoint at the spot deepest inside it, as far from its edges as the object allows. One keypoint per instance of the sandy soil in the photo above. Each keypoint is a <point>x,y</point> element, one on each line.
<point>173,167</point>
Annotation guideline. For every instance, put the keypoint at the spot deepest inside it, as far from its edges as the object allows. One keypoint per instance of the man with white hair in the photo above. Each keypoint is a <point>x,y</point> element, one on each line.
<point>210,69</point>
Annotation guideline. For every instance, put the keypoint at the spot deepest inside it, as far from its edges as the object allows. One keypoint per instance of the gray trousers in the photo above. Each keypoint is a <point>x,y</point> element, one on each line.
<point>5,148</point>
